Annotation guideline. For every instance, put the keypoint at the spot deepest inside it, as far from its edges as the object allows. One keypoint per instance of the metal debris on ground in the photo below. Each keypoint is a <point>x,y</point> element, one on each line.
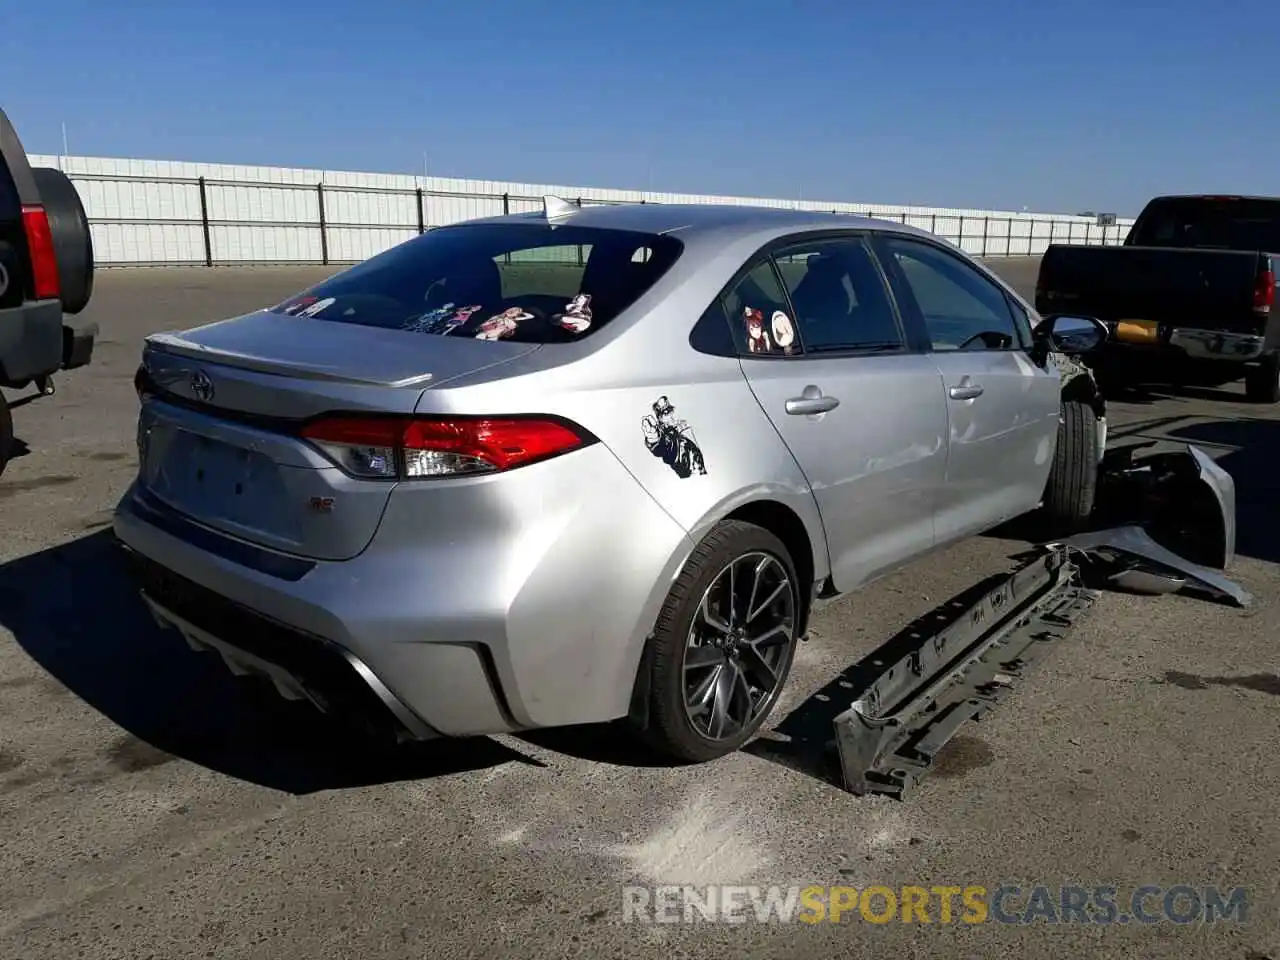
<point>1178,501</point>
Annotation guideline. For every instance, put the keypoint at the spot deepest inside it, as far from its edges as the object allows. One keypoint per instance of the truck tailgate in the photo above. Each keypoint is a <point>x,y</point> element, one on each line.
<point>1211,289</point>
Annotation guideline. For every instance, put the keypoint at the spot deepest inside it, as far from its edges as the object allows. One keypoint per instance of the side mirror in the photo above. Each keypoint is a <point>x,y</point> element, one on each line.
<point>1070,334</point>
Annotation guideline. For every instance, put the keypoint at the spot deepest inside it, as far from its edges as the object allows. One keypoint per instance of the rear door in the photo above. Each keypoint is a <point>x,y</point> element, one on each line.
<point>863,415</point>
<point>1002,408</point>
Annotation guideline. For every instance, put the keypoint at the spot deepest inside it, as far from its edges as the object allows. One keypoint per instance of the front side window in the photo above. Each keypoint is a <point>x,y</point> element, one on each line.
<point>526,282</point>
<point>962,309</point>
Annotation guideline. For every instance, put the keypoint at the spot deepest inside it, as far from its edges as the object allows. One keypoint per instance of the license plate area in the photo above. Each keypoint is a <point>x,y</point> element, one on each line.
<point>217,482</point>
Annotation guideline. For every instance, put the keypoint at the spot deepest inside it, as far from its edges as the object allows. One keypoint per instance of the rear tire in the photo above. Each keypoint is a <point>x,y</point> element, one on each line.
<point>6,432</point>
<point>72,240</point>
<point>1073,479</point>
<point>689,659</point>
<point>1262,383</point>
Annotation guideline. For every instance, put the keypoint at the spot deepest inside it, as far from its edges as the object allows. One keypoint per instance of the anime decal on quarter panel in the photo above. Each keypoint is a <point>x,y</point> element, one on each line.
<point>671,439</point>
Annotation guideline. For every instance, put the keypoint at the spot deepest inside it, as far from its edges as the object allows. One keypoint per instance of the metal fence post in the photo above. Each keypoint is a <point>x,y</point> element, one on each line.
<point>1087,231</point>
<point>986,222</point>
<point>1008,236</point>
<point>506,204</point>
<point>960,234</point>
<point>904,217</point>
<point>204,224</point>
<point>581,259</point>
<point>933,223</point>
<point>324,233</point>
<point>422,223</point>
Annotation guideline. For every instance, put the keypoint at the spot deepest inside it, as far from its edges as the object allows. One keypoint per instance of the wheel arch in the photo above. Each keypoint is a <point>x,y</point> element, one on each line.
<point>1083,388</point>
<point>785,524</point>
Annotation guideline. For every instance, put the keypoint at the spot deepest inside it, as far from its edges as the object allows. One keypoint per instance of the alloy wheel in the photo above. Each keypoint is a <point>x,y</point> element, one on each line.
<point>739,646</point>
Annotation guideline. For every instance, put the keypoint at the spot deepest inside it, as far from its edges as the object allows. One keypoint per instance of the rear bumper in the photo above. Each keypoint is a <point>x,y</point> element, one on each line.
<point>1217,345</point>
<point>301,667</point>
<point>454,635</point>
<point>35,341</point>
<point>1189,348</point>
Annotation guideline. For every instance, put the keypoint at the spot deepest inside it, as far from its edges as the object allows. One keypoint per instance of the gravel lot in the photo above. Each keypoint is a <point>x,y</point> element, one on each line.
<point>153,807</point>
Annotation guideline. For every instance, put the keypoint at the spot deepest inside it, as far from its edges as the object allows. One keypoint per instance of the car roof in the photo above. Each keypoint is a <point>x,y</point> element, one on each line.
<point>727,221</point>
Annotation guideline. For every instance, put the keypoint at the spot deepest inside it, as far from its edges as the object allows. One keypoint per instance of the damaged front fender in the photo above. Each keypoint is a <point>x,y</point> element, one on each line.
<point>1184,501</point>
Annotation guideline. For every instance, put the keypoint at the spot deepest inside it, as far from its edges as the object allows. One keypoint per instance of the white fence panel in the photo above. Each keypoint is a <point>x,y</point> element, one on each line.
<point>153,211</point>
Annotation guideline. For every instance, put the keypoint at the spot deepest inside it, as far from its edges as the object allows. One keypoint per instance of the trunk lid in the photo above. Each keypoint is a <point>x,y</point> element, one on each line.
<point>336,353</point>
<point>217,434</point>
<point>1205,289</point>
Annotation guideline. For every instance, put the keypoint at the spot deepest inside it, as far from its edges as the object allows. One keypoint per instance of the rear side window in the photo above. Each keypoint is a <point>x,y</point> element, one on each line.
<point>758,314</point>
<point>1226,224</point>
<point>526,282</point>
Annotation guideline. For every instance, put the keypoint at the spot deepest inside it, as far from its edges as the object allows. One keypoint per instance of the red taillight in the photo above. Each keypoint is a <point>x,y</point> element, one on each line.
<point>44,260</point>
<point>1264,292</point>
<point>414,449</point>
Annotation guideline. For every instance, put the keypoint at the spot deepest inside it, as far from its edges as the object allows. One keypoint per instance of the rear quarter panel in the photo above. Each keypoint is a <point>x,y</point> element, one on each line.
<point>610,382</point>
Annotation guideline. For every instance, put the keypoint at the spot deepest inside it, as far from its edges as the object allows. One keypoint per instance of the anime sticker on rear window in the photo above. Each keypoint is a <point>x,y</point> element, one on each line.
<point>784,334</point>
<point>442,320</point>
<point>577,314</point>
<point>671,440</point>
<point>502,325</point>
<point>779,336</point>
<point>758,340</point>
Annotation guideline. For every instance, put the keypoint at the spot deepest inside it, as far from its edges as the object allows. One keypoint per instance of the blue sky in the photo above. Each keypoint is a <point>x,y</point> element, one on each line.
<point>1056,107</point>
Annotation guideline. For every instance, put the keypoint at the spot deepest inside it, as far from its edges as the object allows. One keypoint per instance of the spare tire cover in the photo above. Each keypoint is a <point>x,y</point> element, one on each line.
<point>72,240</point>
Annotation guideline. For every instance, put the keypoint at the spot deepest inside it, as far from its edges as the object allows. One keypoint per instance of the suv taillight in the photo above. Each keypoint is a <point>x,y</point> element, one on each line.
<point>392,448</point>
<point>44,260</point>
<point>1264,291</point>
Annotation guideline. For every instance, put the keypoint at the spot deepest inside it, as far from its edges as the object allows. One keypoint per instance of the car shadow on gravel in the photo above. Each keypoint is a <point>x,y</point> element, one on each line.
<point>74,610</point>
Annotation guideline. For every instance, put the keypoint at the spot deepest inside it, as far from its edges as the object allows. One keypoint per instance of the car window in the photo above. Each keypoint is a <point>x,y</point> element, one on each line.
<point>1021,320</point>
<point>553,271</point>
<point>1227,223</point>
<point>839,297</point>
<point>759,314</point>
<point>529,282</point>
<point>961,308</point>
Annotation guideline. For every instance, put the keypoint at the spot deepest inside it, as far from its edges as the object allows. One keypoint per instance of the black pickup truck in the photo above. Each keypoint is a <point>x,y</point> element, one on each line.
<point>46,276</point>
<point>1188,299</point>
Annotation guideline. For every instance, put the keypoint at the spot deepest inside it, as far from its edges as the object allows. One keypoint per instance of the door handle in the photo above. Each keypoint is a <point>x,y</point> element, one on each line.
<point>965,391</point>
<point>811,402</point>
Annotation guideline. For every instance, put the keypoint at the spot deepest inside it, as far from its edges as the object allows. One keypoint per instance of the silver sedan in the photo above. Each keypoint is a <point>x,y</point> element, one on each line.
<point>588,464</point>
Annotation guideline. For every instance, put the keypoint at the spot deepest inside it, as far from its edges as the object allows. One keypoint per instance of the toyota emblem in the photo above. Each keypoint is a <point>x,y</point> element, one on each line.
<point>201,386</point>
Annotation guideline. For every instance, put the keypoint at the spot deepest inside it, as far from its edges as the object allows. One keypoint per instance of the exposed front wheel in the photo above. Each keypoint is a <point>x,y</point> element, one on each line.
<point>1262,383</point>
<point>723,644</point>
<point>1073,479</point>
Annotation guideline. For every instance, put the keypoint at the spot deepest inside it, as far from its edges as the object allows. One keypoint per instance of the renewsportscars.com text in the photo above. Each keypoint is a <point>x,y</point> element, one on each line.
<point>944,904</point>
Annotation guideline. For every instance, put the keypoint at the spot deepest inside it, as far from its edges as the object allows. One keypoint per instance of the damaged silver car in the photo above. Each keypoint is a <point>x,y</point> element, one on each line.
<point>587,464</point>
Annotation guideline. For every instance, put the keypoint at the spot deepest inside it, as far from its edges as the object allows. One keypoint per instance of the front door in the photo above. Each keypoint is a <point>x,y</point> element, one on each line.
<point>864,417</point>
<point>1002,408</point>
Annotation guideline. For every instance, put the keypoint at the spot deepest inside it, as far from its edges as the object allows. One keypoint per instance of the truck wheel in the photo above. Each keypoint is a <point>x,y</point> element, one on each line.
<point>1073,479</point>
<point>72,241</point>
<point>6,432</point>
<point>723,644</point>
<point>1262,383</point>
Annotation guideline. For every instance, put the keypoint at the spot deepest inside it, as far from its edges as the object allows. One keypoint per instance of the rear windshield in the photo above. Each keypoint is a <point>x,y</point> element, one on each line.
<point>1225,224</point>
<point>525,282</point>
